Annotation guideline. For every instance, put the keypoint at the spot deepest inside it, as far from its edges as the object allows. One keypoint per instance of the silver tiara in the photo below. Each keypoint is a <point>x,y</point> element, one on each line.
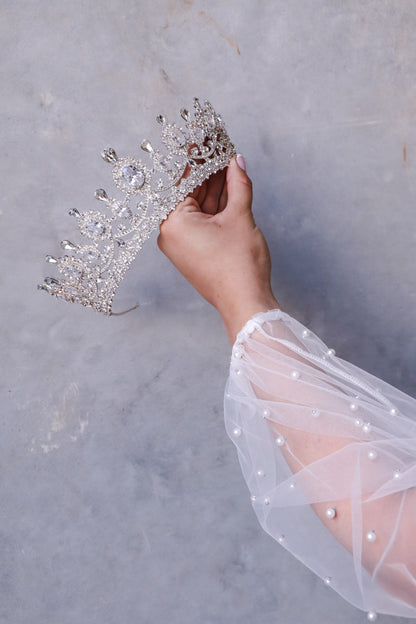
<point>92,271</point>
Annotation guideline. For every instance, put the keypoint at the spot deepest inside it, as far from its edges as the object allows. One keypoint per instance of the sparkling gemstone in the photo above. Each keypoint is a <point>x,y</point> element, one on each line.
<point>177,137</point>
<point>109,155</point>
<point>51,280</point>
<point>185,114</point>
<point>95,228</point>
<point>121,210</point>
<point>199,134</point>
<point>101,195</point>
<point>165,163</point>
<point>210,120</point>
<point>51,259</point>
<point>68,246</point>
<point>147,146</point>
<point>89,254</point>
<point>134,176</point>
<point>160,119</point>
<point>73,212</point>
<point>73,271</point>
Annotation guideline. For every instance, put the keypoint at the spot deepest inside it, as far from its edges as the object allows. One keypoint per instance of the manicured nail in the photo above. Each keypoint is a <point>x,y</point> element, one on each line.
<point>241,162</point>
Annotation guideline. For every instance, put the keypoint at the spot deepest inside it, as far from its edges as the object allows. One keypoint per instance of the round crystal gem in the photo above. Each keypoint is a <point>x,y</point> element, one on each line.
<point>95,228</point>
<point>134,176</point>
<point>90,254</point>
<point>178,137</point>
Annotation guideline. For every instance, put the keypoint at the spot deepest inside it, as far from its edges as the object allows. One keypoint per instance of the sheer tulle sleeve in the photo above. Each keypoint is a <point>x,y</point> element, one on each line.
<point>328,452</point>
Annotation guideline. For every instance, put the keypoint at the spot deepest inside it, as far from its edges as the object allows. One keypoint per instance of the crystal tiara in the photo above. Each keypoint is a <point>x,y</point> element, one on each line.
<point>91,273</point>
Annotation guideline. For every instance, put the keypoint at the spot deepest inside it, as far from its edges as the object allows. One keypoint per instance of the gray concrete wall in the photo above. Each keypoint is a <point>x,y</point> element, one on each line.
<point>121,496</point>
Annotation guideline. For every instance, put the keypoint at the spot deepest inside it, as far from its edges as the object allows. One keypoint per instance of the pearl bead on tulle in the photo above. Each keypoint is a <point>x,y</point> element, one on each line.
<point>295,374</point>
<point>397,474</point>
<point>280,440</point>
<point>393,411</point>
<point>370,536</point>
<point>253,498</point>
<point>306,333</point>
<point>330,512</point>
<point>353,407</point>
<point>237,432</point>
<point>315,412</point>
<point>371,616</point>
<point>372,455</point>
<point>327,580</point>
<point>266,412</point>
<point>281,539</point>
<point>367,428</point>
<point>292,486</point>
<point>330,352</point>
<point>260,473</point>
<point>267,501</point>
<point>358,422</point>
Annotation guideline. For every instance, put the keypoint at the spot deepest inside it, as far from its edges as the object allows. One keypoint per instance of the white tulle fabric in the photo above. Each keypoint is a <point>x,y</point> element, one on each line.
<point>319,437</point>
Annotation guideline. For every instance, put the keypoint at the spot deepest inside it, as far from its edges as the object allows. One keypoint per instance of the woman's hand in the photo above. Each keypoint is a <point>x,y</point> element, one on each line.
<point>213,241</point>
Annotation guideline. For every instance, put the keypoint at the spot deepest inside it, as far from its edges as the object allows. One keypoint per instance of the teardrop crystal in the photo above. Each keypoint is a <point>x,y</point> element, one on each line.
<point>109,155</point>
<point>147,146</point>
<point>68,246</point>
<point>51,280</point>
<point>185,114</point>
<point>51,259</point>
<point>101,194</point>
<point>73,212</point>
<point>160,119</point>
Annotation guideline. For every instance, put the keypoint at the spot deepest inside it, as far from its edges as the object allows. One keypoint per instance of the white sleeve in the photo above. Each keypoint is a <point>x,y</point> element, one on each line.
<point>328,452</point>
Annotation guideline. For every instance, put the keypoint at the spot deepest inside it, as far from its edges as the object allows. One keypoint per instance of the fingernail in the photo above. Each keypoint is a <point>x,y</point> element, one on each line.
<point>241,162</point>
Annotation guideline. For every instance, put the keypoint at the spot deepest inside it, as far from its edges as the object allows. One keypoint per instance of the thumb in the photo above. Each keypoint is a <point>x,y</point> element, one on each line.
<point>239,185</point>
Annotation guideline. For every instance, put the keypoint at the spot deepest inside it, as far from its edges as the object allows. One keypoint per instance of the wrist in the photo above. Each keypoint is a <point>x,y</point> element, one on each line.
<point>235,315</point>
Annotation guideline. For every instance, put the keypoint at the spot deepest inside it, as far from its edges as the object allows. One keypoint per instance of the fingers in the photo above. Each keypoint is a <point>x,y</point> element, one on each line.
<point>215,185</point>
<point>239,188</point>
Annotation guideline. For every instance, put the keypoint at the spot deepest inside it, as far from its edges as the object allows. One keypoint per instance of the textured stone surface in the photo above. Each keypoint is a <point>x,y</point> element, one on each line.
<point>121,497</point>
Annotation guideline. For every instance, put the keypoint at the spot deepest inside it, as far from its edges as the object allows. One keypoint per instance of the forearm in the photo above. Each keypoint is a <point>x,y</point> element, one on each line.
<point>300,416</point>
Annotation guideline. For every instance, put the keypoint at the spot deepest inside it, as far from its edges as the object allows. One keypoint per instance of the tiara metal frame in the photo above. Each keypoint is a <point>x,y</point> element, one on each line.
<point>93,270</point>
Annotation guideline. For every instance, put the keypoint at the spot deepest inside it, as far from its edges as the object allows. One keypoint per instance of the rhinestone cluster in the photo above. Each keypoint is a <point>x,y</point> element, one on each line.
<point>93,270</point>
